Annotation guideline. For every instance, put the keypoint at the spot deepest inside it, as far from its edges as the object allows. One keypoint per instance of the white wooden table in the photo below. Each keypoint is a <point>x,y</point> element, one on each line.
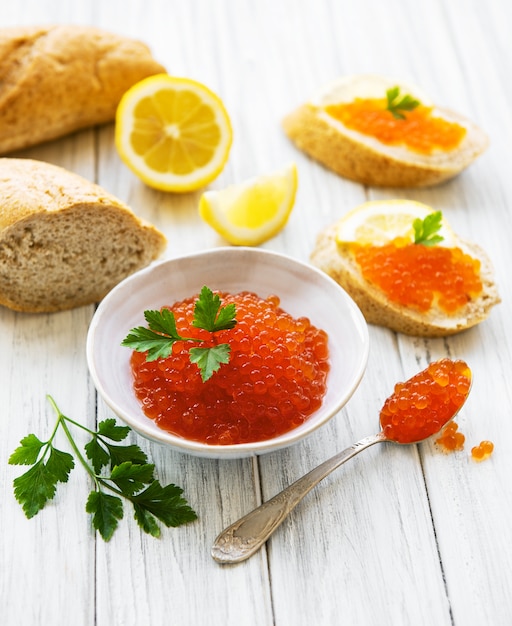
<point>398,535</point>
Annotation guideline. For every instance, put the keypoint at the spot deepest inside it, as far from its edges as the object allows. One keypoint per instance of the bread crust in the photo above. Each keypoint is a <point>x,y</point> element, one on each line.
<point>365,160</point>
<point>60,79</point>
<point>64,241</point>
<point>338,263</point>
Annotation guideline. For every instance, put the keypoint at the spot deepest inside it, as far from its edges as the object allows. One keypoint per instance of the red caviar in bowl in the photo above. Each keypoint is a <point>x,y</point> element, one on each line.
<point>416,276</point>
<point>419,131</point>
<point>421,406</point>
<point>275,378</point>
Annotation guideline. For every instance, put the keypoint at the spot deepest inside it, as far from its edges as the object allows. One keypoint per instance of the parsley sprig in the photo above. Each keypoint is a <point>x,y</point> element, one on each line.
<point>130,477</point>
<point>426,230</point>
<point>159,338</point>
<point>397,103</point>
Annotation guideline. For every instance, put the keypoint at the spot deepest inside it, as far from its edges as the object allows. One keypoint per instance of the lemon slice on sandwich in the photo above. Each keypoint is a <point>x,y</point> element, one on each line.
<point>381,221</point>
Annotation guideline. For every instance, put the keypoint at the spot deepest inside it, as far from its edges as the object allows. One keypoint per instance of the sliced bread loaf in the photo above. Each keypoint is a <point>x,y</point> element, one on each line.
<point>64,242</point>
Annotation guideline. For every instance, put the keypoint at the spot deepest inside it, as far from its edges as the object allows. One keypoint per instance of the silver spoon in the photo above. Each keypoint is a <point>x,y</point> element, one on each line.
<point>244,537</point>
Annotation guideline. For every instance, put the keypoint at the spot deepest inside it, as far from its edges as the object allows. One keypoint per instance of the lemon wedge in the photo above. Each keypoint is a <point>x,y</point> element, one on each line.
<point>253,211</point>
<point>380,222</point>
<point>174,133</point>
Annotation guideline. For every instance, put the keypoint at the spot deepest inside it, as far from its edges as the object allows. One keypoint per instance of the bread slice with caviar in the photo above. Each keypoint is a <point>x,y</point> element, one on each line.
<point>64,241</point>
<point>389,301</point>
<point>377,131</point>
<point>62,78</point>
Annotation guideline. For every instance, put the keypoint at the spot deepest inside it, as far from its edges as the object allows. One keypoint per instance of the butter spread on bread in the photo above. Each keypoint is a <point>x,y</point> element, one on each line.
<point>64,241</point>
<point>59,79</point>
<point>363,158</point>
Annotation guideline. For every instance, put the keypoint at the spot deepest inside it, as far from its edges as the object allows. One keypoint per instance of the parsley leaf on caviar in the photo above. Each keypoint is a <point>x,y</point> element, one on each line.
<point>396,103</point>
<point>158,339</point>
<point>425,231</point>
<point>209,315</point>
<point>210,359</point>
<point>131,477</point>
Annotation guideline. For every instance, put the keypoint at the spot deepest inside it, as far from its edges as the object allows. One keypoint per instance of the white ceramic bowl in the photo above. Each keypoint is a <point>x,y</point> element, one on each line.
<point>303,290</point>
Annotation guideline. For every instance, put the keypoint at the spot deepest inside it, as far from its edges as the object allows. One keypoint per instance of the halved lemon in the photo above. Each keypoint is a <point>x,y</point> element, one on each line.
<point>174,133</point>
<point>382,221</point>
<point>253,211</point>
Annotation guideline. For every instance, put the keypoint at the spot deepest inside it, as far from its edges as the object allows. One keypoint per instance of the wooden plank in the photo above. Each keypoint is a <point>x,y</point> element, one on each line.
<point>40,355</point>
<point>177,570</point>
<point>467,499</point>
<point>45,351</point>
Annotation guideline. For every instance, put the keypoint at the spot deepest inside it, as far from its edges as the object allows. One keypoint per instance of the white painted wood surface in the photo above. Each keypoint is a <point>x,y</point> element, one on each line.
<point>398,535</point>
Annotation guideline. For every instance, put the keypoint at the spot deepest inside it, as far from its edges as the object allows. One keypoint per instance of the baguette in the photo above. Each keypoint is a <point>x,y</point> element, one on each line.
<point>363,158</point>
<point>60,79</point>
<point>337,261</point>
<point>64,242</point>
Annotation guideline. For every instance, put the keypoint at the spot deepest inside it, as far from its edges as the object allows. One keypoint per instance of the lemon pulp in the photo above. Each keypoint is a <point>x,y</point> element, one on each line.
<point>174,133</point>
<point>253,211</point>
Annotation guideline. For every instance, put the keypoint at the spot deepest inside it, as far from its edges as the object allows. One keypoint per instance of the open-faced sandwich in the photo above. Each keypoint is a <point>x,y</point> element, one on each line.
<point>377,131</point>
<point>407,270</point>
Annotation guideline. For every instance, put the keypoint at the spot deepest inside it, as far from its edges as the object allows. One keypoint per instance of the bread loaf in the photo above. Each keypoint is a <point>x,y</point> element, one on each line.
<point>338,262</point>
<point>59,79</point>
<point>64,242</point>
<point>363,158</point>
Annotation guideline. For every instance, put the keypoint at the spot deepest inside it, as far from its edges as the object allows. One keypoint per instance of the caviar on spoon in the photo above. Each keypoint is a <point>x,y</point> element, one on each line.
<point>417,409</point>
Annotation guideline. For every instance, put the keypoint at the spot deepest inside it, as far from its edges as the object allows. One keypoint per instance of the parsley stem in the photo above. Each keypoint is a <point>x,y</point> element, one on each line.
<point>57,423</point>
<point>78,425</point>
<point>48,444</point>
<point>62,421</point>
<point>103,481</point>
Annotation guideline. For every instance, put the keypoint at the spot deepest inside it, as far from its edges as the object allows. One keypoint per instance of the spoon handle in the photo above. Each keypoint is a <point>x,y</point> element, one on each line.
<point>245,536</point>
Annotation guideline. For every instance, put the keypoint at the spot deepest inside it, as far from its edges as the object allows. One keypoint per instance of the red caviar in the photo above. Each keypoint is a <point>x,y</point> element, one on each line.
<point>421,406</point>
<point>483,451</point>
<point>275,379</point>
<point>450,439</point>
<point>419,131</point>
<point>418,276</point>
